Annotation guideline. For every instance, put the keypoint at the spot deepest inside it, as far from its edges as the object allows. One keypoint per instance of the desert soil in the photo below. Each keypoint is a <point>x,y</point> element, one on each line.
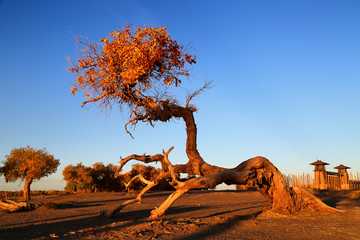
<point>196,215</point>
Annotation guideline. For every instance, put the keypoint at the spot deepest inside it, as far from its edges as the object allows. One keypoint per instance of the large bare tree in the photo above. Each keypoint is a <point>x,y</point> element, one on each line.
<point>137,69</point>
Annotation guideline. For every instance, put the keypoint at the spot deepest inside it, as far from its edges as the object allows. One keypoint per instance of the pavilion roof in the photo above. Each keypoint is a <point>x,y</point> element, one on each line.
<point>318,162</point>
<point>342,167</point>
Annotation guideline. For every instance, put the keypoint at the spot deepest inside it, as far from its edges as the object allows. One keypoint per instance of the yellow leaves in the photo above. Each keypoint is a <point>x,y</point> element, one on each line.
<point>105,40</point>
<point>73,90</point>
<point>29,163</point>
<point>80,80</point>
<point>130,63</point>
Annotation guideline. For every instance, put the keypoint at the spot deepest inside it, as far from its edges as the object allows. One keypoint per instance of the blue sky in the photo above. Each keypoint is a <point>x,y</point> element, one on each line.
<point>286,74</point>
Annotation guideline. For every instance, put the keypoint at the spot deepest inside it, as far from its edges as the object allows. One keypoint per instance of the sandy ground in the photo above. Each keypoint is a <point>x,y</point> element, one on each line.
<point>196,215</point>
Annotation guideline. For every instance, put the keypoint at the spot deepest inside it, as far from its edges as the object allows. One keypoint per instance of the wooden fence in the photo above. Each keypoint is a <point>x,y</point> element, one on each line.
<point>354,181</point>
<point>307,180</point>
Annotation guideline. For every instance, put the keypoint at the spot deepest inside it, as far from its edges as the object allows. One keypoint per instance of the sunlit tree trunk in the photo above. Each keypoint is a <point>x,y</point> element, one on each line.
<point>27,184</point>
<point>198,165</point>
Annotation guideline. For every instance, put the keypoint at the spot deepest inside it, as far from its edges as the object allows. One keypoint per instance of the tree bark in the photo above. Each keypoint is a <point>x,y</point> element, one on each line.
<point>164,111</point>
<point>13,206</point>
<point>196,164</point>
<point>27,184</point>
<point>258,172</point>
<point>271,183</point>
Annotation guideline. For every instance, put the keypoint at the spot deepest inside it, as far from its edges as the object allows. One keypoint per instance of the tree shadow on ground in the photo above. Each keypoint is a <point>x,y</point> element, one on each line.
<point>331,198</point>
<point>73,204</point>
<point>82,225</point>
<point>231,211</point>
<point>215,229</point>
<point>130,196</point>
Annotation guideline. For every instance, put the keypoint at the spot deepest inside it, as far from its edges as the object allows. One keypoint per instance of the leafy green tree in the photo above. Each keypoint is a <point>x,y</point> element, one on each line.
<point>28,164</point>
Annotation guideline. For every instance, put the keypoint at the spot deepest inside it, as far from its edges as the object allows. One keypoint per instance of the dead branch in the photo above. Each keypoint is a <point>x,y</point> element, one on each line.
<point>150,184</point>
<point>142,158</point>
<point>175,183</point>
<point>258,172</point>
<point>228,177</point>
<point>207,85</point>
<point>137,177</point>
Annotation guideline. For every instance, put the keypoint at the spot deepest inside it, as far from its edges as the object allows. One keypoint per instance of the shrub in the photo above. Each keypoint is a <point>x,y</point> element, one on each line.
<point>51,205</point>
<point>354,195</point>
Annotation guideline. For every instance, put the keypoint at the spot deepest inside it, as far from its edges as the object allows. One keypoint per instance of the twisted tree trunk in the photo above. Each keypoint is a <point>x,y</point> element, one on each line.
<point>257,172</point>
<point>196,164</point>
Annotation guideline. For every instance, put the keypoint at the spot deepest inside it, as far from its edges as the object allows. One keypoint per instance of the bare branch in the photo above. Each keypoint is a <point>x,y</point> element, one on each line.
<point>142,158</point>
<point>207,85</point>
<point>170,168</point>
<point>228,177</point>
<point>150,184</point>
<point>94,99</point>
<point>137,177</point>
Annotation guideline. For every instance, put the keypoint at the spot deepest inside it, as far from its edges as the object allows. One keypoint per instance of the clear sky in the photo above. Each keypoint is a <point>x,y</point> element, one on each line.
<point>286,74</point>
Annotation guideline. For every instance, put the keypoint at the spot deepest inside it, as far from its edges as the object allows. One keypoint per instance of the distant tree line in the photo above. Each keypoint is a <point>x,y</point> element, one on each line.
<point>101,178</point>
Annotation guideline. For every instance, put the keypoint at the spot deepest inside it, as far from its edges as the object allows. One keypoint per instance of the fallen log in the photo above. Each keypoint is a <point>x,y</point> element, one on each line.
<point>13,206</point>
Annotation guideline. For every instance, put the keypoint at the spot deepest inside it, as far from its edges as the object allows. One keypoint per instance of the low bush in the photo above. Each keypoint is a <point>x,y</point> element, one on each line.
<point>354,195</point>
<point>51,205</point>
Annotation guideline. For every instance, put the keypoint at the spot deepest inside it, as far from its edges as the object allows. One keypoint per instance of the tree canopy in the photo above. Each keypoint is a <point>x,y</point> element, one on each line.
<point>78,178</point>
<point>130,67</point>
<point>137,68</point>
<point>27,163</point>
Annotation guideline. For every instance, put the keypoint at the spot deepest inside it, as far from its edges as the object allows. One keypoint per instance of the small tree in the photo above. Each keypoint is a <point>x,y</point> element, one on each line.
<point>97,178</point>
<point>78,178</point>
<point>104,178</point>
<point>28,164</point>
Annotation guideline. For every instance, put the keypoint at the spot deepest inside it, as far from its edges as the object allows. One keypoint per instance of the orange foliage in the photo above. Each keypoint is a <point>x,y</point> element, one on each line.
<point>28,163</point>
<point>126,65</point>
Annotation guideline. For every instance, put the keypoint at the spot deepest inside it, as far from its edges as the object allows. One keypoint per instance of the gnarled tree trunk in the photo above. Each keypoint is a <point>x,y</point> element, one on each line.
<point>257,172</point>
<point>196,164</point>
<point>27,184</point>
<point>271,183</point>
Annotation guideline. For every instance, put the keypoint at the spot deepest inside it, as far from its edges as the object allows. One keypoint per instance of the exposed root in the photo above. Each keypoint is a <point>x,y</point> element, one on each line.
<point>308,202</point>
<point>271,183</point>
